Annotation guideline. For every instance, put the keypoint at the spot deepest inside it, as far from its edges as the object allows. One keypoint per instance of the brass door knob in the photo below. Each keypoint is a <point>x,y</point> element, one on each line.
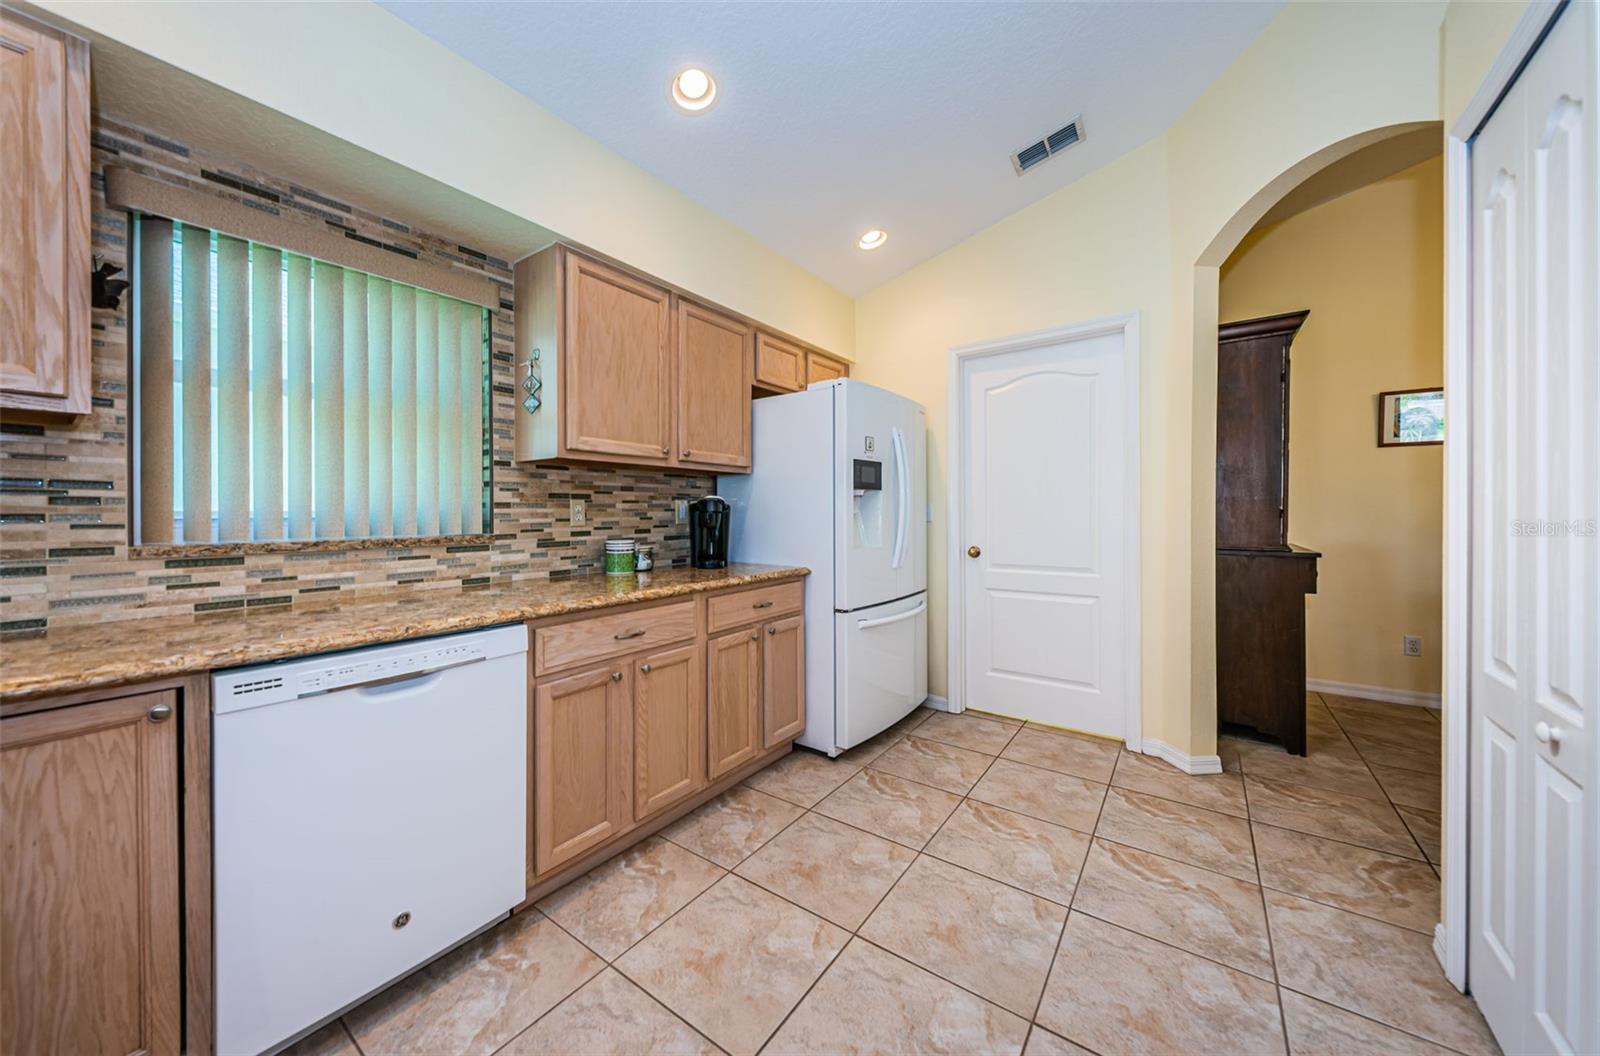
<point>973,551</point>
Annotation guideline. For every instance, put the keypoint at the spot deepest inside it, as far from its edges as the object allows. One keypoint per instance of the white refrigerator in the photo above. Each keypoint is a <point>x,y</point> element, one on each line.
<point>840,486</point>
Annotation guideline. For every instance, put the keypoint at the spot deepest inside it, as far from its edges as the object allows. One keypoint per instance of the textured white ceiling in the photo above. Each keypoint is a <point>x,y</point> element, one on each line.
<point>837,117</point>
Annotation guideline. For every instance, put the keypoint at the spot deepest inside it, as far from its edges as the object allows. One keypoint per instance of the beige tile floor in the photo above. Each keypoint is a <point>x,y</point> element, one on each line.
<point>964,884</point>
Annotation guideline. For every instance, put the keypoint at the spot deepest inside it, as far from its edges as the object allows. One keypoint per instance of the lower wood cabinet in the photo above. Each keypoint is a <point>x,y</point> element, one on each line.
<point>90,922</point>
<point>733,730</point>
<point>669,722</point>
<point>783,681</point>
<point>582,764</point>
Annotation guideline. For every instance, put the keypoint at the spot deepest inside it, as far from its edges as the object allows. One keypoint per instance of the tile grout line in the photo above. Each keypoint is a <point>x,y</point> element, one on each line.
<point>1266,925</point>
<point>1387,798</point>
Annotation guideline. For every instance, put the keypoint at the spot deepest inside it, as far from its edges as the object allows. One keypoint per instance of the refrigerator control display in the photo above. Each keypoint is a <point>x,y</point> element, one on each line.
<point>868,475</point>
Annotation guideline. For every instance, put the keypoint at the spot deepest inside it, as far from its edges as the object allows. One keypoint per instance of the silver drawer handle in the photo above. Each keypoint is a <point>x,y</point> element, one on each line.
<point>762,605</point>
<point>625,635</point>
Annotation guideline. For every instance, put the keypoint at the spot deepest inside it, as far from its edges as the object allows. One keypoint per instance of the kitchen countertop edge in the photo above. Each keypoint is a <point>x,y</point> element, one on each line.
<point>31,668</point>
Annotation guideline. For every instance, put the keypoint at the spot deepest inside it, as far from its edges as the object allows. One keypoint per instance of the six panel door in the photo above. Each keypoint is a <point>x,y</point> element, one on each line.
<point>783,681</point>
<point>89,915</point>
<point>582,787</point>
<point>618,390</point>
<point>733,725</point>
<point>715,369</point>
<point>669,728</point>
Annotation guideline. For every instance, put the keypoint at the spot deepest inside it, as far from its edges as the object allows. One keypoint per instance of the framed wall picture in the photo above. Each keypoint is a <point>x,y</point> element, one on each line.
<point>1410,417</point>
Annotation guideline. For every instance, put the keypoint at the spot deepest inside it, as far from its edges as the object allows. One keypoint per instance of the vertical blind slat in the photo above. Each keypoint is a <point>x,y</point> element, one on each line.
<point>266,391</point>
<point>298,378</point>
<point>380,468</point>
<point>196,385</point>
<point>449,419</point>
<point>233,390</point>
<point>471,446</point>
<point>355,405</point>
<point>153,310</point>
<point>427,413</point>
<point>327,396</point>
<point>404,372</point>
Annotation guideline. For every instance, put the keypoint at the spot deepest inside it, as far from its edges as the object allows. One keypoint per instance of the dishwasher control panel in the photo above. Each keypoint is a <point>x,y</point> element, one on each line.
<point>252,687</point>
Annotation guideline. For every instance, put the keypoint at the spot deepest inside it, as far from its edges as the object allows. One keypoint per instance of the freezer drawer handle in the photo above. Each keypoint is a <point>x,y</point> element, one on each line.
<point>921,608</point>
<point>625,635</point>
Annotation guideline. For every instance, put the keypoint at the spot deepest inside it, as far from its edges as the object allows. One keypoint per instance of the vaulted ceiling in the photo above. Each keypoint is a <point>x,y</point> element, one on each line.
<point>833,118</point>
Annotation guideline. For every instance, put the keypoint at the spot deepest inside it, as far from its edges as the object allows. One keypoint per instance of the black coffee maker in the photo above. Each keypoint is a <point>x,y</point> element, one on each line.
<point>708,532</point>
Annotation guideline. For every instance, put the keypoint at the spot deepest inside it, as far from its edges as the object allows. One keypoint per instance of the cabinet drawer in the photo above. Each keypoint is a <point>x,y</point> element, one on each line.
<point>598,637</point>
<point>746,606</point>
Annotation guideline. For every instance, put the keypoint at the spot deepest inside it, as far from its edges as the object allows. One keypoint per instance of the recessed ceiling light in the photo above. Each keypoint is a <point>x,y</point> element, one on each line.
<point>873,239</point>
<point>693,90</point>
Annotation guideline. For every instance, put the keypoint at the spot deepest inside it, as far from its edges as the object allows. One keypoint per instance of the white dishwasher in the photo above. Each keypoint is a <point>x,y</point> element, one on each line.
<point>369,810</point>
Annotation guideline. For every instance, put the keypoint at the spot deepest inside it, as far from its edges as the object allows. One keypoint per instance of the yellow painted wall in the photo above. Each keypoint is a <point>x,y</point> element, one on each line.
<point>1367,265</point>
<point>361,74</point>
<point>1146,234</point>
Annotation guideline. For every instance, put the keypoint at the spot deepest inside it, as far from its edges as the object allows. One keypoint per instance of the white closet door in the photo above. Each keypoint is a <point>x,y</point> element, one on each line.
<point>1534,937</point>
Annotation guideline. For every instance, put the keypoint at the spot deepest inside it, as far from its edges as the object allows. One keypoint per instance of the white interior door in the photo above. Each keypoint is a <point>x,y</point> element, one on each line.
<point>1043,533</point>
<point>1533,934</point>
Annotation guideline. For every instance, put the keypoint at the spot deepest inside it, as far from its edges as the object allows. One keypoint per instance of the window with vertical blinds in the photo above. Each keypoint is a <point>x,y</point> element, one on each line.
<point>281,397</point>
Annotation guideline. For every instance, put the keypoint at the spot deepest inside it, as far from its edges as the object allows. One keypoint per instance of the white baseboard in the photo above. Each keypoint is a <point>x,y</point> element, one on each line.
<point>936,702</point>
<point>1189,764</point>
<point>1388,696</point>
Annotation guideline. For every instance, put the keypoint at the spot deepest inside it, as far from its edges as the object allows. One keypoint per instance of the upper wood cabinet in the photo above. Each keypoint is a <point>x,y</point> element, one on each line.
<point>715,364</point>
<point>780,364</point>
<point>618,364</point>
<point>669,728</point>
<point>824,368</point>
<point>89,945</point>
<point>45,259</point>
<point>582,763</point>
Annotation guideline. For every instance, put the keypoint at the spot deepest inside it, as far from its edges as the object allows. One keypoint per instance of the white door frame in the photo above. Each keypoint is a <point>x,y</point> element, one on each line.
<point>960,357</point>
<point>1450,936</point>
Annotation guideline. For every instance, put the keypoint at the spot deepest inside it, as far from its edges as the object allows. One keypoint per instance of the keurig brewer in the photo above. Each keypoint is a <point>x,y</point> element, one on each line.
<point>708,532</point>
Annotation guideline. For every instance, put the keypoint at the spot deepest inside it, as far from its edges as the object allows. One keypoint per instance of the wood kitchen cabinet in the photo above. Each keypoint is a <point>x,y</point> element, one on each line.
<point>669,723</point>
<point>783,681</point>
<point>582,763</point>
<point>824,368</point>
<point>45,260</point>
<point>714,369</point>
<point>780,364</point>
<point>733,690</point>
<point>90,921</point>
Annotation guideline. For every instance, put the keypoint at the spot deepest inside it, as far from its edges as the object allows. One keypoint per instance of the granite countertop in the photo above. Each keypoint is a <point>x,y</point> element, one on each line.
<point>89,656</point>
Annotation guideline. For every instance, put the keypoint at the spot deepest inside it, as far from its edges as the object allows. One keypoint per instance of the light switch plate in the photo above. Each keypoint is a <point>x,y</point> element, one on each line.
<point>1411,645</point>
<point>580,512</point>
<point>680,510</point>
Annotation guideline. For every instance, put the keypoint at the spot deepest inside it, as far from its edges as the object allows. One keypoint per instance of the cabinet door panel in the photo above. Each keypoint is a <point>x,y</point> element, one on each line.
<point>44,199</point>
<point>715,369</point>
<point>582,763</point>
<point>669,728</point>
<point>783,681</point>
<point>733,727</point>
<point>824,368</point>
<point>89,915</point>
<point>617,393</point>
<point>779,365</point>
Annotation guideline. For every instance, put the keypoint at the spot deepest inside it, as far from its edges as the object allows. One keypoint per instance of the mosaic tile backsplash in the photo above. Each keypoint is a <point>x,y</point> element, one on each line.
<point>64,511</point>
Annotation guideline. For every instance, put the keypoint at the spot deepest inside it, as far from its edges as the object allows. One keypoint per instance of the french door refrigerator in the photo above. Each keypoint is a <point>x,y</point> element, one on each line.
<point>840,486</point>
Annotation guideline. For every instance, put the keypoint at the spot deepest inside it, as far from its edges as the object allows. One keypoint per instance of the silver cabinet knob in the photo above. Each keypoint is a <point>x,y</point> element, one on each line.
<point>644,668</point>
<point>685,453</point>
<point>665,449</point>
<point>755,637</point>
<point>160,713</point>
<point>616,676</point>
<point>1545,733</point>
<point>772,630</point>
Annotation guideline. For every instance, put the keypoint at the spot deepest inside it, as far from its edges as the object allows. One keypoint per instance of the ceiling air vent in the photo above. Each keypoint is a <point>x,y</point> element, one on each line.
<point>1049,146</point>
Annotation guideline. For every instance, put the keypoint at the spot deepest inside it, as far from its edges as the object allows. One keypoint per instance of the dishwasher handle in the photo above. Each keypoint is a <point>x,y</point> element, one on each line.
<point>395,679</point>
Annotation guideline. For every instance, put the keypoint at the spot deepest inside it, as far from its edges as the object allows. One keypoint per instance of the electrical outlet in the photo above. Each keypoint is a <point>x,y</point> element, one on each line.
<point>680,510</point>
<point>1411,645</point>
<point>580,512</point>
